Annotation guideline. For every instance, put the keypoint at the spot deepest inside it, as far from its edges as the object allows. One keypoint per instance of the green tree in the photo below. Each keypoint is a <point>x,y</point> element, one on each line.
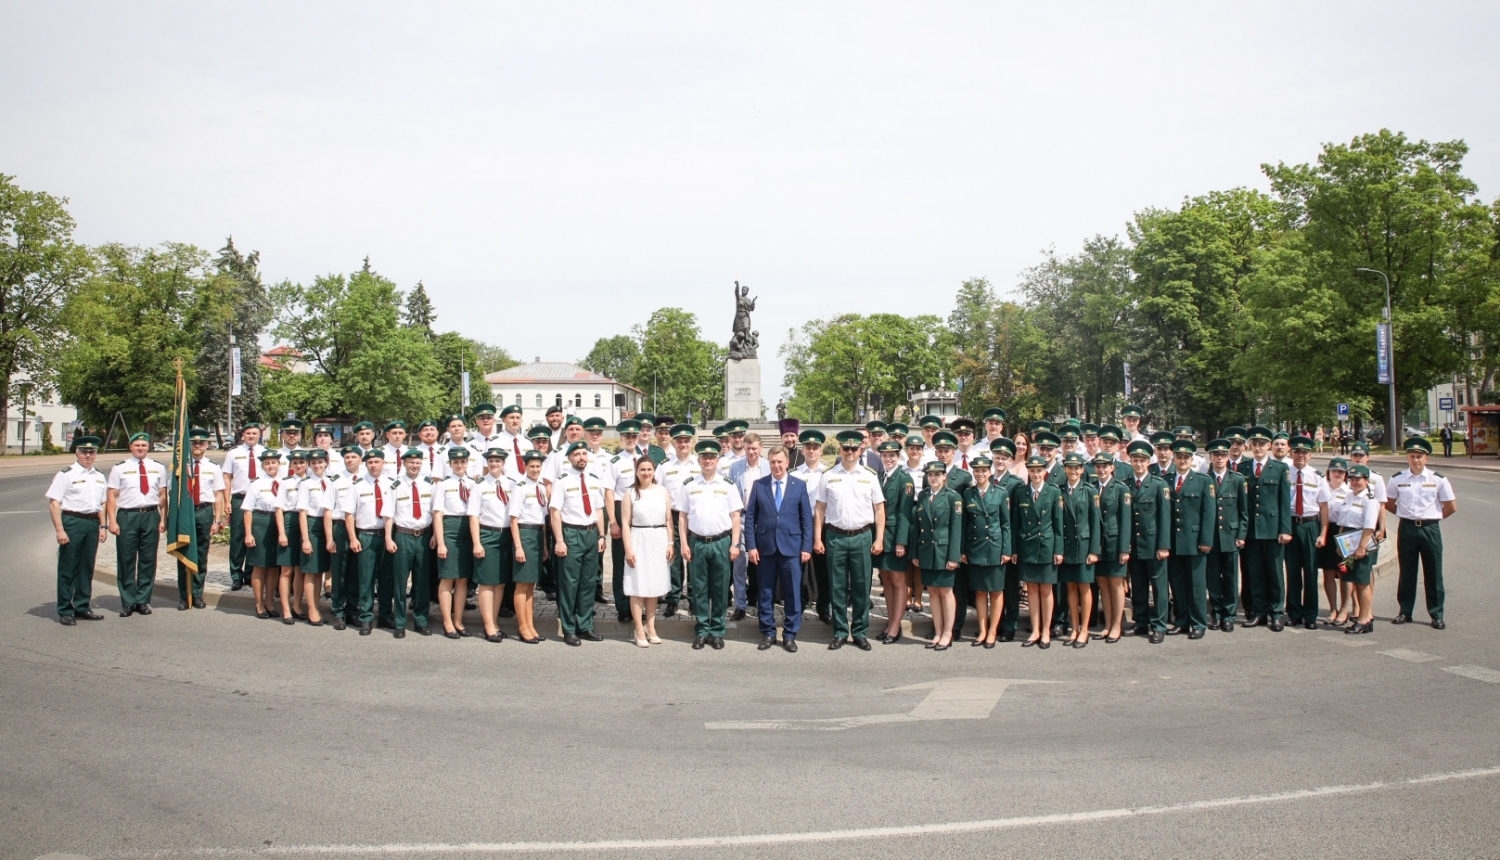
<point>457,354</point>
<point>837,366</point>
<point>419,311</point>
<point>615,357</point>
<point>40,269</point>
<point>677,364</point>
<point>493,358</point>
<point>244,321</point>
<point>1080,305</point>
<point>284,392</point>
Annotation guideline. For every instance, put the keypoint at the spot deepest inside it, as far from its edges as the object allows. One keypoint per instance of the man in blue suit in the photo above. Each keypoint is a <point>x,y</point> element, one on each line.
<point>779,535</point>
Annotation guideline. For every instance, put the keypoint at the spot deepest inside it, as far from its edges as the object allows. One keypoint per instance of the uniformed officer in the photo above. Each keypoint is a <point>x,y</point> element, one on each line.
<point>848,504</point>
<point>661,443</point>
<point>559,460</point>
<point>289,553</point>
<point>1194,518</point>
<point>1131,416</point>
<point>1268,486</point>
<point>1002,454</point>
<point>1038,539</point>
<point>1236,437</point>
<point>1308,500</point>
<point>265,533</point>
<point>816,587</point>
<point>541,440</point>
<point>930,425</point>
<point>963,430</point>
<point>1110,437</point>
<point>494,553</point>
<point>1360,511</point>
<point>945,451</point>
<point>914,447</point>
<point>370,504</point>
<point>737,428</point>
<point>1162,441</point>
<point>577,517</point>
<point>993,420</point>
<point>434,452</point>
<point>206,485</point>
<point>672,473</point>
<point>1114,544</point>
<point>395,446</point>
<point>619,477</point>
<point>897,432</point>
<point>364,437</point>
<point>513,440</point>
<point>1421,499</point>
<point>556,419</point>
<point>1338,594</point>
<point>486,433</point>
<point>455,534</point>
<point>1081,546</point>
<point>987,545</point>
<point>1044,444</point>
<point>1200,462</point>
<point>137,517</point>
<point>76,500</point>
<point>1151,544</point>
<point>709,530</point>
<point>408,536</point>
<point>900,494</point>
<point>1231,520</point>
<point>241,466</point>
<point>343,566</point>
<point>528,534</point>
<point>938,518</point>
<point>317,497</point>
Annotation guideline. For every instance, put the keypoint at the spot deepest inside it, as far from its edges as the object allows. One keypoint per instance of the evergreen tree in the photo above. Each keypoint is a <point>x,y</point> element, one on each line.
<point>419,313</point>
<point>249,312</point>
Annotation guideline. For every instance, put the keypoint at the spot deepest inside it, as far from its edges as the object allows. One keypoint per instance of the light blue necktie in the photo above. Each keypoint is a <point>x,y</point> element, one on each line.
<point>778,495</point>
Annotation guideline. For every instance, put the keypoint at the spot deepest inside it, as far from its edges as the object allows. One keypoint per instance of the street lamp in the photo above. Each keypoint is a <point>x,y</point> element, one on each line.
<point>1394,418</point>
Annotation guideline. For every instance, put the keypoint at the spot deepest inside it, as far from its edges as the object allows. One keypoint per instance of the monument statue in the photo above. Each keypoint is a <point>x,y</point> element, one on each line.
<point>744,343</point>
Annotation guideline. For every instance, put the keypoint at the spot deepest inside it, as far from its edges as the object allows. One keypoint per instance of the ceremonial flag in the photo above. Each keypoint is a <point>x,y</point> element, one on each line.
<point>182,524</point>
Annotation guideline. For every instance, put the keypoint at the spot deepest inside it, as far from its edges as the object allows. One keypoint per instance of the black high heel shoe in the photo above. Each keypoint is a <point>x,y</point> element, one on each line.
<point>942,647</point>
<point>989,644</point>
<point>1031,643</point>
<point>1044,645</point>
<point>892,640</point>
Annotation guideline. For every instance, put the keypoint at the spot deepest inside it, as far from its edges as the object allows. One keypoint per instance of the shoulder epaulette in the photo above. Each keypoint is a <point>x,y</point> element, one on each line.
<point>1439,474</point>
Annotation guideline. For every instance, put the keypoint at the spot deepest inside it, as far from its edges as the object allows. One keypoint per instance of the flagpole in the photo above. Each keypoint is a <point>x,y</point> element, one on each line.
<point>182,543</point>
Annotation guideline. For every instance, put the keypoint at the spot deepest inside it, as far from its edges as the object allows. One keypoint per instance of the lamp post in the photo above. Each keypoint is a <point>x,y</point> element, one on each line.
<point>1393,421</point>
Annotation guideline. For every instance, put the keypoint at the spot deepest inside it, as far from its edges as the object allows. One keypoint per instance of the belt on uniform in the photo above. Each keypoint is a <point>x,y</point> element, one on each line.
<point>137,510</point>
<point>588,528</point>
<point>1304,520</point>
<point>370,531</point>
<point>80,515</point>
<point>838,531</point>
<point>485,528</point>
<point>1421,524</point>
<point>201,505</point>
<point>710,538</point>
<point>658,526</point>
<point>536,526</point>
<point>236,495</point>
<point>401,530</point>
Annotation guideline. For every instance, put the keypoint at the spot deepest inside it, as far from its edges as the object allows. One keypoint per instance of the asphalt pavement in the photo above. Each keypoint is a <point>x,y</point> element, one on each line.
<point>212,733</point>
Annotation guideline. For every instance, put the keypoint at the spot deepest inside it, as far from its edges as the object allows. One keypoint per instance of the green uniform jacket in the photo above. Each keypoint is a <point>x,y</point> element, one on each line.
<point>1233,513</point>
<point>657,455</point>
<point>940,528</point>
<point>1160,472</point>
<point>1151,516</point>
<point>1114,520</point>
<point>986,524</point>
<point>1080,523</point>
<point>1268,498</point>
<point>1036,525</point>
<point>899,498</point>
<point>959,480</point>
<point>1194,512</point>
<point>1057,477</point>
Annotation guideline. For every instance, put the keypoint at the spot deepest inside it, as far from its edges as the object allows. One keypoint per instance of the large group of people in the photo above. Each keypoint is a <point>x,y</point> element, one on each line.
<point>1075,521</point>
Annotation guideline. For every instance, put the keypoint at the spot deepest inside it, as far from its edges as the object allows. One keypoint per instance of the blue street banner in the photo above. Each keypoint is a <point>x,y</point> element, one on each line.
<point>1383,353</point>
<point>182,524</point>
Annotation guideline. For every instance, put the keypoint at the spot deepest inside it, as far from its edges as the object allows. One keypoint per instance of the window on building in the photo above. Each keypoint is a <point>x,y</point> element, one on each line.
<point>598,401</point>
<point>577,401</point>
<point>518,399</point>
<point>559,400</point>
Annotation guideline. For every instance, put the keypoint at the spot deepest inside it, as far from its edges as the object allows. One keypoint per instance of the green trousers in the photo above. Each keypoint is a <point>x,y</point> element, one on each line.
<point>1187,576</point>
<point>1303,581</point>
<point>1222,577</point>
<point>75,565</point>
<point>343,574</point>
<point>237,539</point>
<point>135,553</point>
<point>577,577</point>
<point>204,519</point>
<point>849,566</point>
<point>617,569</point>
<point>409,561</point>
<point>1263,574</point>
<point>1148,582</point>
<point>1422,544</point>
<point>374,565</point>
<point>709,578</point>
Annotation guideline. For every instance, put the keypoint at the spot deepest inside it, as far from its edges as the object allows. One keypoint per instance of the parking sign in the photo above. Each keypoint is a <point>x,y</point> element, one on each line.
<point>1343,410</point>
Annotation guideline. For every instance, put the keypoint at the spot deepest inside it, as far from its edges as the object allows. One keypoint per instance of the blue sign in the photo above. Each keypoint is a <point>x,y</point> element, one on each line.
<point>1445,404</point>
<point>1343,410</point>
<point>1383,353</point>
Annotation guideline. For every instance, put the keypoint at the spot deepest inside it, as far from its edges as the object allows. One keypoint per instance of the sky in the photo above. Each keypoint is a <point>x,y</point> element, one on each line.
<point>555,172</point>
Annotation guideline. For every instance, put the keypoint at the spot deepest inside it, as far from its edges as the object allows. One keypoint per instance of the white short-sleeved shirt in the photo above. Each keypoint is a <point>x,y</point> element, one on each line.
<point>373,501</point>
<point>569,492</point>
<point>673,472</point>
<point>493,501</point>
<point>410,494</point>
<point>708,504</point>
<point>528,502</point>
<point>621,471</point>
<point>1420,497</point>
<point>1357,511</point>
<point>210,480</point>
<point>1377,484</point>
<point>811,477</point>
<point>318,495</point>
<point>517,445</point>
<point>265,495</point>
<point>291,492</point>
<point>126,479</point>
<point>1314,490</point>
<point>456,496</point>
<point>849,497</point>
<point>79,490</point>
<point>241,466</point>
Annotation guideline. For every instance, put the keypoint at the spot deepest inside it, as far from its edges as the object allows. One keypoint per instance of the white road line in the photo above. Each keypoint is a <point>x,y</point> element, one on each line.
<point>1472,499</point>
<point>21,512</point>
<point>1410,656</point>
<point>1478,673</point>
<point>825,835</point>
<point>1351,641</point>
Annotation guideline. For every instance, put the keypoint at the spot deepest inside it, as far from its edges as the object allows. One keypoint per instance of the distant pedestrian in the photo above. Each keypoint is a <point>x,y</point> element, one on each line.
<point>1447,436</point>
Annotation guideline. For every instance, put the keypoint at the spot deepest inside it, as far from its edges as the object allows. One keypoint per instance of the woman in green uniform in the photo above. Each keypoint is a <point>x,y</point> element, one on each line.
<point>893,561</point>
<point>528,517</point>
<point>455,531</point>
<point>987,547</point>
<point>263,530</point>
<point>494,554</point>
<point>1114,546</point>
<point>1037,536</point>
<point>914,447</point>
<point>1360,511</point>
<point>313,505</point>
<point>939,520</point>
<point>1080,527</point>
<point>291,558</point>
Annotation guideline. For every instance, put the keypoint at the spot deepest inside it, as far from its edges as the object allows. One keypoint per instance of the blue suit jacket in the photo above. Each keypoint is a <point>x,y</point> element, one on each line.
<point>788,531</point>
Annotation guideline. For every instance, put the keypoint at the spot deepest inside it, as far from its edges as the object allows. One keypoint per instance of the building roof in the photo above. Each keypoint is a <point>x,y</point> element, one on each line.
<point>540,372</point>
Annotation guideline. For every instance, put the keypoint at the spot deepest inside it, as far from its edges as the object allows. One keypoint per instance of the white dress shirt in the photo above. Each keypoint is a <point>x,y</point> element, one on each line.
<point>708,504</point>
<point>126,479</point>
<point>79,490</point>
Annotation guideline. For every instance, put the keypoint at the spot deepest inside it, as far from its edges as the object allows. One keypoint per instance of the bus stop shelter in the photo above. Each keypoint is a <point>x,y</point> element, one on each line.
<point>1482,429</point>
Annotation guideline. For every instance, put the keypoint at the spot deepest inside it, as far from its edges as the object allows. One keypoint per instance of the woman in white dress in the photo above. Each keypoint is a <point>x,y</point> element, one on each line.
<point>646,528</point>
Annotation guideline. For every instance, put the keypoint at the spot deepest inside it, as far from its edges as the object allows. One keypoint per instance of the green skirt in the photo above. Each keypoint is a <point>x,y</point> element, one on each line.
<point>941,578</point>
<point>499,557</point>
<point>531,542</point>
<point>1360,568</point>
<point>291,554</point>
<point>263,529</point>
<point>1109,565</point>
<point>460,561</point>
<point>319,560</point>
<point>1043,573</point>
<point>986,577</point>
<point>888,560</point>
<point>1075,573</point>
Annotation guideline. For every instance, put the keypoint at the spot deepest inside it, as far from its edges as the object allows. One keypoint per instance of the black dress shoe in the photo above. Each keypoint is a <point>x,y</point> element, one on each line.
<point>825,617</point>
<point>1437,624</point>
<point>463,633</point>
<point>300,616</point>
<point>882,637</point>
<point>385,624</point>
<point>1030,643</point>
<point>237,585</point>
<point>668,608</point>
<point>1080,643</point>
<point>1110,640</point>
<point>1227,625</point>
<point>1156,638</point>
<point>717,643</point>
<point>699,642</point>
<point>143,608</point>
<point>1356,628</point>
<point>590,636</point>
<point>67,620</point>
<point>622,617</point>
<point>1403,618</point>
<point>128,611</point>
<point>507,612</point>
<point>451,634</point>
<point>88,615</point>
<point>737,615</point>
<point>1309,625</point>
<point>492,637</point>
<point>424,630</point>
<point>182,605</point>
<point>1177,631</point>
<point>338,623</point>
<point>989,645</point>
<point>319,623</point>
<point>1197,633</point>
<point>199,604</point>
<point>1044,645</point>
<point>861,643</point>
<point>892,640</point>
<point>399,634</point>
<point>1277,626</point>
<point>766,643</point>
<point>837,643</point>
<point>1007,637</point>
<point>977,643</point>
<point>287,619</point>
<point>789,645</point>
<point>599,598</point>
<point>364,629</point>
<point>1258,621</point>
<point>1057,631</point>
<point>570,639</point>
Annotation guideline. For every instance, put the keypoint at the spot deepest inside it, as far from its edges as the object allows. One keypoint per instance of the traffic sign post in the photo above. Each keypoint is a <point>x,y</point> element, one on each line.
<point>1343,411</point>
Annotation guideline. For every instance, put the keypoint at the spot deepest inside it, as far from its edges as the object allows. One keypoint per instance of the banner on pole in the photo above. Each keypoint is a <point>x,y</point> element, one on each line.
<point>1127,379</point>
<point>234,371</point>
<point>466,391</point>
<point>1383,353</point>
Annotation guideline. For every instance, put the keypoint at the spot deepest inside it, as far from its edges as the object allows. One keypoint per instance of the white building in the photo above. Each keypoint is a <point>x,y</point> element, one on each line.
<point>538,385</point>
<point>58,417</point>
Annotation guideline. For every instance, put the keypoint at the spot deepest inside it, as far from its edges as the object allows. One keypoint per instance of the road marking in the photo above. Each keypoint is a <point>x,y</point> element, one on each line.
<point>853,834</point>
<point>20,512</point>
<point>1472,499</point>
<point>1351,641</point>
<point>1478,673</point>
<point>950,699</point>
<point>1410,656</point>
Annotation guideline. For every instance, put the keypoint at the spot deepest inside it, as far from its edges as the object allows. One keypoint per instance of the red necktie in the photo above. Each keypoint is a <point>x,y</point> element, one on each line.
<point>1257,470</point>
<point>431,466</point>
<point>324,484</point>
<point>463,491</point>
<point>252,463</point>
<point>1299,492</point>
<point>500,491</point>
<point>966,462</point>
<point>145,484</point>
<point>516,443</point>
<point>416,502</point>
<point>193,485</point>
<point>583,487</point>
<point>379,499</point>
<point>275,487</point>
<point>1179,483</point>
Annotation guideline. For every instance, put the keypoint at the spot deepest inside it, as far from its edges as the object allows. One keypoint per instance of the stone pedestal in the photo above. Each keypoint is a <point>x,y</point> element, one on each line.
<point>742,389</point>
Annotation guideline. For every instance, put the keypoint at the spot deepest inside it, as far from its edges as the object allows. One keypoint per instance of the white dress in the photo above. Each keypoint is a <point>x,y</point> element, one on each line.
<point>648,537</point>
